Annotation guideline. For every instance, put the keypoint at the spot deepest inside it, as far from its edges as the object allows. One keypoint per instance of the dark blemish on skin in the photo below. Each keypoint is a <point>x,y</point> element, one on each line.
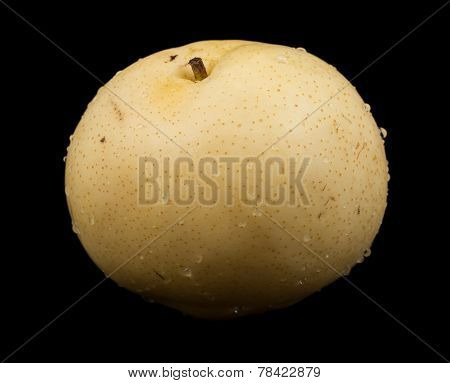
<point>358,210</point>
<point>173,57</point>
<point>159,275</point>
<point>320,215</point>
<point>103,140</point>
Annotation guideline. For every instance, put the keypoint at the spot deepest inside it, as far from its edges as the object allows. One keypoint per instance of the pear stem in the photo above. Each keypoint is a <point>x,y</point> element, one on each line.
<point>198,68</point>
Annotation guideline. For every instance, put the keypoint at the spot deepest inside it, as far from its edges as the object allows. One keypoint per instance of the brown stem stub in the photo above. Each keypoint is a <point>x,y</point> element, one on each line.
<point>198,68</point>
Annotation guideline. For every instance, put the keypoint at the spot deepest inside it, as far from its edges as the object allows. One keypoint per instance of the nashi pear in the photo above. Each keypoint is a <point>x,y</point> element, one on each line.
<point>225,261</point>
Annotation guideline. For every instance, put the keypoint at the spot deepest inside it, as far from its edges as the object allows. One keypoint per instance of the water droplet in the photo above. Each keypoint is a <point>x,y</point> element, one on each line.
<point>318,271</point>
<point>300,49</point>
<point>367,252</point>
<point>181,222</point>
<point>118,72</point>
<point>306,237</point>
<point>199,259</point>
<point>326,160</point>
<point>327,256</point>
<point>242,224</point>
<point>186,272</point>
<point>236,310</point>
<point>346,271</point>
<point>71,137</point>
<point>360,260</point>
<point>383,132</point>
<point>75,228</point>
<point>66,191</point>
<point>141,257</point>
<point>282,59</point>
<point>64,158</point>
<point>367,107</point>
<point>91,220</point>
<point>257,213</point>
<point>299,282</point>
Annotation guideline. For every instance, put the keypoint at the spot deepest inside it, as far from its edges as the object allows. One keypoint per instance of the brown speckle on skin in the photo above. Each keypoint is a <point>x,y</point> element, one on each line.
<point>360,150</point>
<point>173,57</point>
<point>103,140</point>
<point>117,110</point>
<point>329,199</point>
<point>159,275</point>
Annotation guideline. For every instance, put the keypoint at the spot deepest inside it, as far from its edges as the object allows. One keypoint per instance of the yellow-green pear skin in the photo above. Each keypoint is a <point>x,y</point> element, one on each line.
<point>226,261</point>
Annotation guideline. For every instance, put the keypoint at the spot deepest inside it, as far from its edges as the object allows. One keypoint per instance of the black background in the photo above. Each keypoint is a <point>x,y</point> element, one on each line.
<point>44,268</point>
